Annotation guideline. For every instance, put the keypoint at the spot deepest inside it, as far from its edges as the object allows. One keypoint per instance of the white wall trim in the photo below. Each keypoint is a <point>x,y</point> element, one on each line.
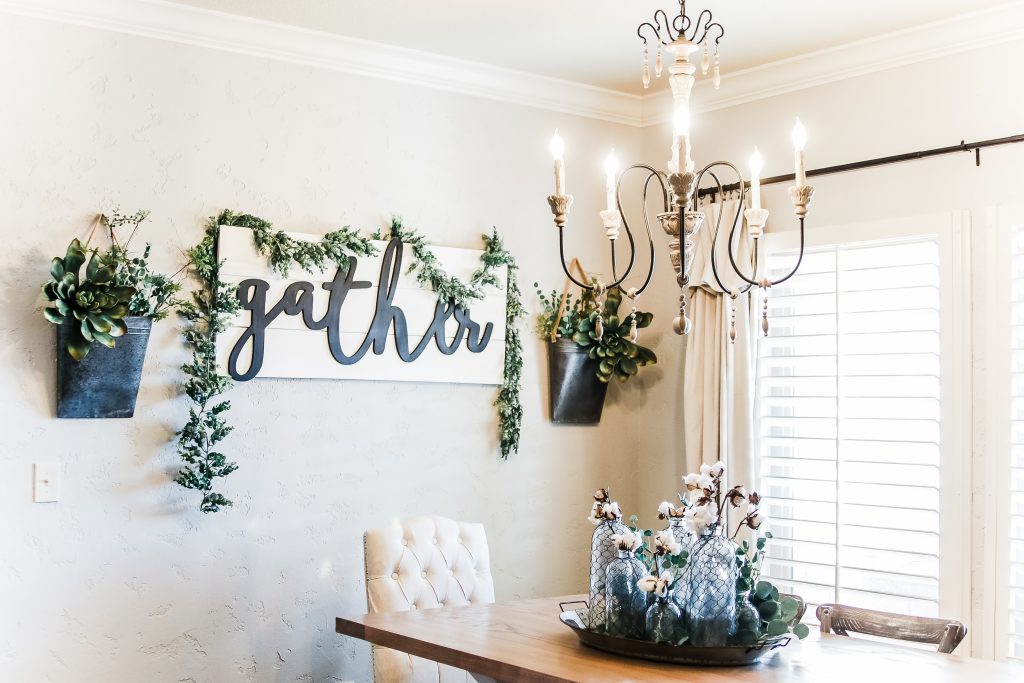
<point>218,30</point>
<point>206,28</point>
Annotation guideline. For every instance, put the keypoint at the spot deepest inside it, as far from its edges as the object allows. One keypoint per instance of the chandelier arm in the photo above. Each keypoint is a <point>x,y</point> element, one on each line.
<point>721,31</point>
<point>565,268</point>
<point>647,221</point>
<point>714,238</point>
<point>696,26</point>
<point>736,219</point>
<point>799,258</point>
<point>652,173</point>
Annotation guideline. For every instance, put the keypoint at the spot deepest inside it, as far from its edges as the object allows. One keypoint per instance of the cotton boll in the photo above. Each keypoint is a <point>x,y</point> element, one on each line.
<point>648,584</point>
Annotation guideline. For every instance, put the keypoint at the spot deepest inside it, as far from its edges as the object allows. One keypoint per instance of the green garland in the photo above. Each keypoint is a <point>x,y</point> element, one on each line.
<point>282,251</point>
<point>210,311</point>
<point>214,305</point>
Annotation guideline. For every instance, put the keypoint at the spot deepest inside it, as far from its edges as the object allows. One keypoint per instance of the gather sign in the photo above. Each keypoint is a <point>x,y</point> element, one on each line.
<point>371,321</point>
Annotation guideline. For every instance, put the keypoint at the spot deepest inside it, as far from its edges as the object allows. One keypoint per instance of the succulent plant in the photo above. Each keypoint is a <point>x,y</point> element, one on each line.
<point>611,339</point>
<point>95,302</point>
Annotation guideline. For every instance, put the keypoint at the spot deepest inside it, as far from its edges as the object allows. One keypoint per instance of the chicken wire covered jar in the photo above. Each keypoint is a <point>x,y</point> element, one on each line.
<point>711,589</point>
<point>625,603</point>
<point>680,531</point>
<point>602,551</point>
<point>664,621</point>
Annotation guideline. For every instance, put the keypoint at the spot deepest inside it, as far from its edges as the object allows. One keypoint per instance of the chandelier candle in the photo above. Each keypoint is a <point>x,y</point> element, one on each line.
<point>756,164</point>
<point>799,141</point>
<point>611,172</point>
<point>558,152</point>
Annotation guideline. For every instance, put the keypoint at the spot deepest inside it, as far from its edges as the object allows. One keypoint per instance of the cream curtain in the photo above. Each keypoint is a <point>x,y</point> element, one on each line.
<point>718,379</point>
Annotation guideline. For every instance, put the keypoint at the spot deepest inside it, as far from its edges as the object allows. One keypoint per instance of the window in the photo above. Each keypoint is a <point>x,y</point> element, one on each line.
<point>851,409</point>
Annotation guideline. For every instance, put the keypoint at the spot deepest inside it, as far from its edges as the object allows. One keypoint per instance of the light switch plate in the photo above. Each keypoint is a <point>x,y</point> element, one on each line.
<point>46,488</point>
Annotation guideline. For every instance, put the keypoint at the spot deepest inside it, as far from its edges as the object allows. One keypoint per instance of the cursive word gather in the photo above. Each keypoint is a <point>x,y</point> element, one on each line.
<point>298,300</point>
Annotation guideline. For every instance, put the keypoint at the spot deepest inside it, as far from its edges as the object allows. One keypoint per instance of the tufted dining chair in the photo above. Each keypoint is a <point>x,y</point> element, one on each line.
<point>420,563</point>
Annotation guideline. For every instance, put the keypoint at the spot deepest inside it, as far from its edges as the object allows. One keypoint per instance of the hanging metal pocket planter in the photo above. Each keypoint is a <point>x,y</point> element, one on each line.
<point>577,394</point>
<point>106,382</point>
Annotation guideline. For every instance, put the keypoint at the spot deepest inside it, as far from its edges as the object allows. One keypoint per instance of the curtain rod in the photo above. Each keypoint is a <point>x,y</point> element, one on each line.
<point>976,147</point>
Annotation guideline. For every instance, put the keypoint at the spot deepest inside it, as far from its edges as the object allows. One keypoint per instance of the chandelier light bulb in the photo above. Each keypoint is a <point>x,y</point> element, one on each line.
<point>756,163</point>
<point>557,146</point>
<point>611,164</point>
<point>799,136</point>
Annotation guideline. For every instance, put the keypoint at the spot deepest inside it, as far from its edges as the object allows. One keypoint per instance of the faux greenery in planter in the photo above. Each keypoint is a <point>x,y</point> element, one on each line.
<point>104,303</point>
<point>588,344</point>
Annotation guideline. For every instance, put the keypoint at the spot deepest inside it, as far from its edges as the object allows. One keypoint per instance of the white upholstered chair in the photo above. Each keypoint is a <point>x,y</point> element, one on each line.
<point>419,563</point>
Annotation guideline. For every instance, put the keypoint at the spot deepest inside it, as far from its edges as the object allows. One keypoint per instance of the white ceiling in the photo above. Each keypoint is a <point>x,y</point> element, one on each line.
<point>594,41</point>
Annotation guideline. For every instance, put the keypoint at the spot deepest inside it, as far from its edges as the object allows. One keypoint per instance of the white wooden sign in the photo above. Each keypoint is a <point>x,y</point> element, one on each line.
<point>374,322</point>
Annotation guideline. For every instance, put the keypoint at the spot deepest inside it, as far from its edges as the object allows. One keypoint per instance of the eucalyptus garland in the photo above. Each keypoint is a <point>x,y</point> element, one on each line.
<point>282,251</point>
<point>215,304</point>
<point>210,311</point>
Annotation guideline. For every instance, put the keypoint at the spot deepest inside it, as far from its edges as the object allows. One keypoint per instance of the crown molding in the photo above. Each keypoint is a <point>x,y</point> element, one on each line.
<point>953,35</point>
<point>243,35</point>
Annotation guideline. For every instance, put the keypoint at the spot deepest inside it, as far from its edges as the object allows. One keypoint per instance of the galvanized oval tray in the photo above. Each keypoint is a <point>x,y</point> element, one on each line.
<point>726,655</point>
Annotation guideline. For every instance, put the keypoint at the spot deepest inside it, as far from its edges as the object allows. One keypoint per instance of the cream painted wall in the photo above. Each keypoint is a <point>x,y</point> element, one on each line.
<point>123,579</point>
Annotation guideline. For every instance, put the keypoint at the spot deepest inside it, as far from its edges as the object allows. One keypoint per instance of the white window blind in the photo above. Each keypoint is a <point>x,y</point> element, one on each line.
<point>1015,603</point>
<point>848,411</point>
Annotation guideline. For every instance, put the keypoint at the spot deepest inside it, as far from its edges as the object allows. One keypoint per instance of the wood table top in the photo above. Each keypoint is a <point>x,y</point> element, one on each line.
<point>525,641</point>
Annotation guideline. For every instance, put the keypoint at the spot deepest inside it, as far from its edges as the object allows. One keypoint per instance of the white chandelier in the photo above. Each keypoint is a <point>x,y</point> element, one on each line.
<point>680,183</point>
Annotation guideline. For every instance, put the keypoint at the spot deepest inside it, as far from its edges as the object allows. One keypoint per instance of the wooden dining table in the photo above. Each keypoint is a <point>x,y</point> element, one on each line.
<point>524,641</point>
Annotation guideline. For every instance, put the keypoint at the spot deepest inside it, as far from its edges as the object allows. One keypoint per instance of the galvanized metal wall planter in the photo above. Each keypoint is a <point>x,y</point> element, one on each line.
<point>576,394</point>
<point>106,382</point>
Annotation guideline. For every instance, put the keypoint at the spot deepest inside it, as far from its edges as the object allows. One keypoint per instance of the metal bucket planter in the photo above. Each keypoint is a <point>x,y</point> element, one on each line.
<point>577,395</point>
<point>106,382</point>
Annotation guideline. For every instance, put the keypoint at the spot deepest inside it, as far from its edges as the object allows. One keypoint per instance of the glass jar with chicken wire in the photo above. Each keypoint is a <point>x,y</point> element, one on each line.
<point>602,551</point>
<point>664,621</point>
<point>625,603</point>
<point>711,589</point>
<point>680,531</point>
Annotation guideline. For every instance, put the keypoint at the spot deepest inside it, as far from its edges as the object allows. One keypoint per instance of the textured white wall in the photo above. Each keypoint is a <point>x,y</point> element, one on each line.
<point>123,579</point>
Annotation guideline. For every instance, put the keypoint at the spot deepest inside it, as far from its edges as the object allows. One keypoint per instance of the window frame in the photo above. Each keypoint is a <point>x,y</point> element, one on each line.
<point>952,230</point>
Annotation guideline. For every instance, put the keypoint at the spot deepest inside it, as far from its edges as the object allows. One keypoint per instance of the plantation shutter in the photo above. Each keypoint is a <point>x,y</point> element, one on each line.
<point>848,411</point>
<point>1015,603</point>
